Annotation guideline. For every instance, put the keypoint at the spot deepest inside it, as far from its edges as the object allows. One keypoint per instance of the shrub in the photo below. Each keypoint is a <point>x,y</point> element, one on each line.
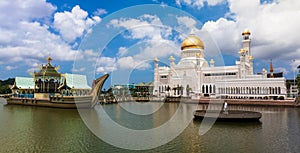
<point>281,98</point>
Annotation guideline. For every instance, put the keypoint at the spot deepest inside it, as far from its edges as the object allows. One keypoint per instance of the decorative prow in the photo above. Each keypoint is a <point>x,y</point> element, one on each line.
<point>97,88</point>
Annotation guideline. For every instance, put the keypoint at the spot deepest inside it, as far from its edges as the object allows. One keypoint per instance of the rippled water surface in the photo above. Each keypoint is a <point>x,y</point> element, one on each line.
<point>36,129</point>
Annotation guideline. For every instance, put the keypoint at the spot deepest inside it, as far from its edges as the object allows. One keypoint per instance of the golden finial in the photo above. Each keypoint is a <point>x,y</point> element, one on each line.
<point>271,69</point>
<point>251,58</point>
<point>171,58</point>
<point>246,32</point>
<point>271,66</point>
<point>242,51</point>
<point>49,59</point>
<point>156,59</point>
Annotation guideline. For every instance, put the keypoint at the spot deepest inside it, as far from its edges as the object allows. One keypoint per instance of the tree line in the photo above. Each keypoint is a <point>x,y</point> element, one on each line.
<point>4,85</point>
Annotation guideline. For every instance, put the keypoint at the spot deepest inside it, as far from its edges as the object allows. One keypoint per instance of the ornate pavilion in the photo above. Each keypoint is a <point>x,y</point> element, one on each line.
<point>49,82</point>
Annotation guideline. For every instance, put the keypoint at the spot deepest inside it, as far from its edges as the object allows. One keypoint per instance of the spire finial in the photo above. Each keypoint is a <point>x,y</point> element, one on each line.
<point>49,59</point>
<point>271,69</point>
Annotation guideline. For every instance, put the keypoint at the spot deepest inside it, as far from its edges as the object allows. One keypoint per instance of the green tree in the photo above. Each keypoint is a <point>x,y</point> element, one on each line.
<point>4,89</point>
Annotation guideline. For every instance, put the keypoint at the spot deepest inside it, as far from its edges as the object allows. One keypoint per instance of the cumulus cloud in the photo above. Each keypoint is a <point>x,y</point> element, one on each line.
<point>74,24</point>
<point>198,4</point>
<point>144,27</point>
<point>14,11</point>
<point>130,62</point>
<point>26,36</point>
<point>31,40</point>
<point>8,68</point>
<point>105,64</point>
<point>122,51</point>
<point>153,41</point>
<point>100,12</point>
<point>271,25</point>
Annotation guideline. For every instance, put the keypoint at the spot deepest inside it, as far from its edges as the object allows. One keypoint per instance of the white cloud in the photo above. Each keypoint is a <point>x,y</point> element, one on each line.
<point>105,64</point>
<point>122,51</point>
<point>145,26</point>
<point>281,69</point>
<point>26,38</point>
<point>14,11</point>
<point>152,36</point>
<point>273,27</point>
<point>100,12</point>
<point>74,24</point>
<point>132,63</point>
<point>78,70</point>
<point>31,40</point>
<point>198,4</point>
<point>8,68</point>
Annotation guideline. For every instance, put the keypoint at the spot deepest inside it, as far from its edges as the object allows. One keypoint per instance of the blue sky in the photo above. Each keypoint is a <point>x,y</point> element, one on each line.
<point>31,30</point>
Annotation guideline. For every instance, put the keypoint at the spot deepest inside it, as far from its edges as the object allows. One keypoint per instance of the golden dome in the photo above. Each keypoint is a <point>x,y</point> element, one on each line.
<point>246,32</point>
<point>171,58</point>
<point>192,42</point>
<point>242,51</point>
<point>251,58</point>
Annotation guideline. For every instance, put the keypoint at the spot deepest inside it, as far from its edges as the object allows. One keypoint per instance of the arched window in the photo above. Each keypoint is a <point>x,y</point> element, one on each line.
<point>214,89</point>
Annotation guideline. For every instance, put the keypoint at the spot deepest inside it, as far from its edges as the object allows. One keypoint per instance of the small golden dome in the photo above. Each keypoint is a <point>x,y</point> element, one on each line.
<point>251,58</point>
<point>171,58</point>
<point>192,42</point>
<point>246,32</point>
<point>242,51</point>
<point>49,59</point>
<point>155,59</point>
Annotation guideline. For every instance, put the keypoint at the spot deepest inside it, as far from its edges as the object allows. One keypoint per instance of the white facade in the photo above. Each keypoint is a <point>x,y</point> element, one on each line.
<point>194,76</point>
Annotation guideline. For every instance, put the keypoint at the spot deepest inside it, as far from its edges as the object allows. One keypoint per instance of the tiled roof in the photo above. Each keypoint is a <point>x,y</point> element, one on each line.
<point>24,83</point>
<point>77,81</point>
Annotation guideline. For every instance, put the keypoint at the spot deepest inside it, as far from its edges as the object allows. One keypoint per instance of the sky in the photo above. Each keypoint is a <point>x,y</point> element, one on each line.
<point>122,37</point>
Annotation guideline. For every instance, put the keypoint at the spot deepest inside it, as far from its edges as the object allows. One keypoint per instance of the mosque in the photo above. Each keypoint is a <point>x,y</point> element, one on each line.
<point>194,77</point>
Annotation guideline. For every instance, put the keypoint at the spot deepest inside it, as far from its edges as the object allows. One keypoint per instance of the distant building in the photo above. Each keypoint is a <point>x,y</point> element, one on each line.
<point>294,90</point>
<point>194,76</point>
<point>135,90</point>
<point>48,82</point>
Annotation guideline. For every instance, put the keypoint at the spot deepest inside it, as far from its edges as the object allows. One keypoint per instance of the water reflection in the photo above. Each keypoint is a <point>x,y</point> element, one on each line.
<point>36,129</point>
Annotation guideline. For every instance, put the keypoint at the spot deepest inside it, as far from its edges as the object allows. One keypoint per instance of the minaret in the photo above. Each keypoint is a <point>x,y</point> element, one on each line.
<point>172,63</point>
<point>212,63</point>
<point>156,77</point>
<point>271,70</point>
<point>246,41</point>
<point>251,64</point>
<point>242,63</point>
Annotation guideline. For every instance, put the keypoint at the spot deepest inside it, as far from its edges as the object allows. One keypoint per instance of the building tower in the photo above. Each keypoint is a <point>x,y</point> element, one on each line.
<point>242,63</point>
<point>246,41</point>
<point>156,75</point>
<point>172,63</point>
<point>271,70</point>
<point>248,56</point>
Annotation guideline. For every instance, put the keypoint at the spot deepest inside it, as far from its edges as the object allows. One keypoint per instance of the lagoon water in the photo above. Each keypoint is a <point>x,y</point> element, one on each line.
<point>37,129</point>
